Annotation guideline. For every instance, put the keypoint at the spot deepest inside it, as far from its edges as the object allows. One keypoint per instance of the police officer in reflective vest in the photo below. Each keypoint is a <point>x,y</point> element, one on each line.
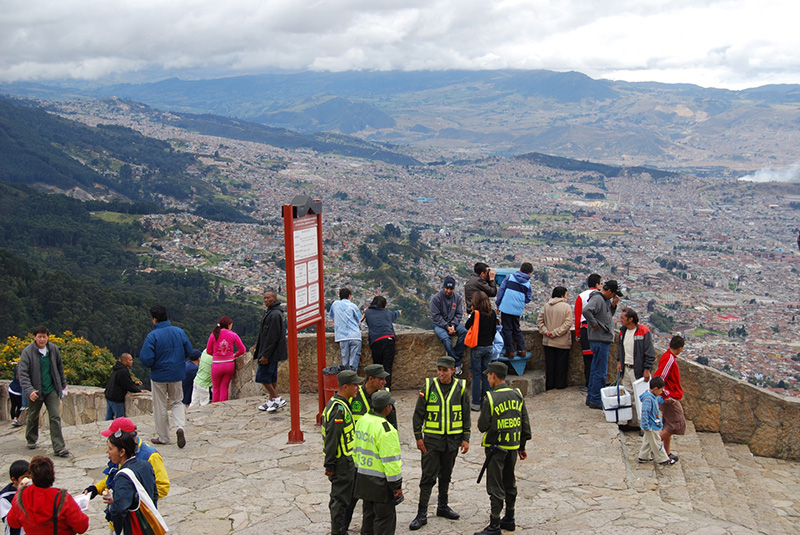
<point>338,435</point>
<point>375,381</point>
<point>506,428</point>
<point>378,479</point>
<point>441,426</point>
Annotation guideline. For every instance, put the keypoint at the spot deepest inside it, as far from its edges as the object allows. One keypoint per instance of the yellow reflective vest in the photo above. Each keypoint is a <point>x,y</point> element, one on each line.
<point>444,416</point>
<point>377,448</point>
<point>338,424</point>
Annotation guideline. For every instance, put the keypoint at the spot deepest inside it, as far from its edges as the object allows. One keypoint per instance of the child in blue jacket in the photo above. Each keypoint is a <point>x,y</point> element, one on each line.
<point>652,448</point>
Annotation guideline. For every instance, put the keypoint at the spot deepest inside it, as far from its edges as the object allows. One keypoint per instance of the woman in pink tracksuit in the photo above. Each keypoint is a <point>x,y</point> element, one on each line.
<point>224,346</point>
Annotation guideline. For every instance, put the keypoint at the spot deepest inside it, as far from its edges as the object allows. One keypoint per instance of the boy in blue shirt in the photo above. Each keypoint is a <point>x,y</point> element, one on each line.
<point>652,449</point>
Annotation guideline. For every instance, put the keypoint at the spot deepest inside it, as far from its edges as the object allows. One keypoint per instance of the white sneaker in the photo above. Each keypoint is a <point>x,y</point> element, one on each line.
<point>275,404</point>
<point>265,406</point>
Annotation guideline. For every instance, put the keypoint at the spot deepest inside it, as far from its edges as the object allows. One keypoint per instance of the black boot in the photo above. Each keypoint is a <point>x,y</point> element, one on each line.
<point>444,510</point>
<point>507,522</point>
<point>492,529</point>
<point>420,520</point>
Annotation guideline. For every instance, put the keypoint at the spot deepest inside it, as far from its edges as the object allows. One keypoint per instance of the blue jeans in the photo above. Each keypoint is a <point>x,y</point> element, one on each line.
<point>114,409</point>
<point>597,377</point>
<point>479,358</point>
<point>443,335</point>
<point>351,353</point>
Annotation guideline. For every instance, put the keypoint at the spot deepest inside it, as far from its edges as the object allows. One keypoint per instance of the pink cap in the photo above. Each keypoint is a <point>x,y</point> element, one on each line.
<point>120,423</point>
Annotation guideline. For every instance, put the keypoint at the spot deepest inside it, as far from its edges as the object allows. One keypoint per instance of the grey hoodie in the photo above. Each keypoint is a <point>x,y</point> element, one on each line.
<point>599,313</point>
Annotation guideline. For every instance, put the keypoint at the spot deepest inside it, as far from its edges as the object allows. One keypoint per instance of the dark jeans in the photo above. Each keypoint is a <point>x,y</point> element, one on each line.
<point>556,361</point>
<point>479,358</point>
<point>383,353</point>
<point>597,379</point>
<point>587,355</point>
<point>512,334</point>
<point>114,409</point>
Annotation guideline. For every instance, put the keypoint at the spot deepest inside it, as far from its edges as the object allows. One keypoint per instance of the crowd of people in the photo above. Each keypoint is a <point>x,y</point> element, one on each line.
<point>362,453</point>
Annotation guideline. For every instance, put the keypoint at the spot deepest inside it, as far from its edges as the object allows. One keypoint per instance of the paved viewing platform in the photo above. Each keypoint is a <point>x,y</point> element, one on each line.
<point>238,475</point>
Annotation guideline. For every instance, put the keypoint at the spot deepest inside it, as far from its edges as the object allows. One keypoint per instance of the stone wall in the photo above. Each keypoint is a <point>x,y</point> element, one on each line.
<point>769,424</point>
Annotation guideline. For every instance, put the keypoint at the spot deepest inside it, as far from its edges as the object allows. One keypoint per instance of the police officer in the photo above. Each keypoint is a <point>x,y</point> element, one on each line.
<point>375,381</point>
<point>379,481</point>
<point>506,428</point>
<point>441,426</point>
<point>338,435</point>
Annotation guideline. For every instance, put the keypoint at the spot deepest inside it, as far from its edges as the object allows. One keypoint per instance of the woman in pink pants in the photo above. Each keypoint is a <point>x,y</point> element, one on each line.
<point>224,346</point>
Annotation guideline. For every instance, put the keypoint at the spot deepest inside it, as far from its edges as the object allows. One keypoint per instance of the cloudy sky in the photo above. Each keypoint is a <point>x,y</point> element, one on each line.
<point>715,43</point>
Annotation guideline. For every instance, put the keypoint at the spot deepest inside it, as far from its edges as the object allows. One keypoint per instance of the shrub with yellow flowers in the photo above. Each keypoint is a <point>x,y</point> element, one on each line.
<point>84,363</point>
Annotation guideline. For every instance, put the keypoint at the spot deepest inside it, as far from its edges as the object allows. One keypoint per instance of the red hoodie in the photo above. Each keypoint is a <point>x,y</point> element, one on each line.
<point>38,504</point>
<point>668,370</point>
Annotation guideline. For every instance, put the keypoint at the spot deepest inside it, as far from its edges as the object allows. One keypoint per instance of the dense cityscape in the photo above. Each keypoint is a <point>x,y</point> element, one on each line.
<point>710,257</point>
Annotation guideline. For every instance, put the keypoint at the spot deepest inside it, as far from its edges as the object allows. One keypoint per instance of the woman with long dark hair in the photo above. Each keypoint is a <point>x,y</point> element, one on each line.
<point>125,498</point>
<point>481,355</point>
<point>224,346</point>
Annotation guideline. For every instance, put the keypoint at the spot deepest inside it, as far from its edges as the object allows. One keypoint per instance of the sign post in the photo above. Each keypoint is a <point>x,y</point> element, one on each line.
<point>302,227</point>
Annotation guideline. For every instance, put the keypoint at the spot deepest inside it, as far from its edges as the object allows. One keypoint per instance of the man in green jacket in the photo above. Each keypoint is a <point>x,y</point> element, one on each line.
<point>379,482</point>
<point>441,427</point>
<point>338,436</point>
<point>506,428</point>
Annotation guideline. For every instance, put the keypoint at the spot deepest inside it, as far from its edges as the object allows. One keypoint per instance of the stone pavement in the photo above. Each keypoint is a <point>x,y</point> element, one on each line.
<point>238,475</point>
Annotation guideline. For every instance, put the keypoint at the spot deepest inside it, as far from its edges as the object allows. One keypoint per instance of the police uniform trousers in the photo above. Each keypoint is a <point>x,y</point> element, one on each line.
<point>501,484</point>
<point>437,463</point>
<point>380,518</point>
<point>342,482</point>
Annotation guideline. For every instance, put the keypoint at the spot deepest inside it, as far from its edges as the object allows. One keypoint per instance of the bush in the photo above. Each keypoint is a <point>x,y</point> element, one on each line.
<point>85,364</point>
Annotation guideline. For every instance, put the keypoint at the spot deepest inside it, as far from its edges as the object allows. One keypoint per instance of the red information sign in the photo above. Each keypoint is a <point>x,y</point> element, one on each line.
<point>302,228</point>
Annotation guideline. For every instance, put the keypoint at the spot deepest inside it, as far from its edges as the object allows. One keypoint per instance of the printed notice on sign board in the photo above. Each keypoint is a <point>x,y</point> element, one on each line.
<point>300,278</point>
<point>313,271</point>
<point>305,243</point>
<point>313,294</point>
<point>301,297</point>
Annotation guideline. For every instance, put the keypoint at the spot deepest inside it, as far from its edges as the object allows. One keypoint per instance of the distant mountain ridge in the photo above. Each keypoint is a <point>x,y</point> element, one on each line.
<point>501,112</point>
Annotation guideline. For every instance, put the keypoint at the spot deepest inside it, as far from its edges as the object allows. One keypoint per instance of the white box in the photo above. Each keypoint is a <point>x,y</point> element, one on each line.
<point>640,386</point>
<point>616,411</point>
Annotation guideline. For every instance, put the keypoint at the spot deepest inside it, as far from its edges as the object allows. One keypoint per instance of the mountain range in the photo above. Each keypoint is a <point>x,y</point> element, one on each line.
<point>506,112</point>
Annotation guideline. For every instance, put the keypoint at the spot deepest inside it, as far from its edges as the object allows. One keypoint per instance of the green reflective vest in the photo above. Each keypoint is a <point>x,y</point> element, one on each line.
<point>347,438</point>
<point>444,416</point>
<point>505,405</point>
<point>377,448</point>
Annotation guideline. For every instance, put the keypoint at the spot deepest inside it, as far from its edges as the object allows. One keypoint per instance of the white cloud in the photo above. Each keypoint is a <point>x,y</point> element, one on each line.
<point>724,43</point>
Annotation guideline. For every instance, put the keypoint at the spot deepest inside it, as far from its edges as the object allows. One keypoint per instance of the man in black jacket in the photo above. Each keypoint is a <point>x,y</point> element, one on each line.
<point>271,348</point>
<point>119,384</point>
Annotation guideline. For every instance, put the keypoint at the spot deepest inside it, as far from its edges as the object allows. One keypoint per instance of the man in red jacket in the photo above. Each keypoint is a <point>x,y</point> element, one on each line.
<point>672,410</point>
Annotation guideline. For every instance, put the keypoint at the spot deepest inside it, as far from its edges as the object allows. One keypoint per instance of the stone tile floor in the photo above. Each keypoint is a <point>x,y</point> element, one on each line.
<point>237,474</point>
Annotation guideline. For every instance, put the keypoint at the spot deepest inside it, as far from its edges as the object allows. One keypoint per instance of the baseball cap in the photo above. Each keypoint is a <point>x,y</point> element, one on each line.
<point>614,287</point>
<point>376,370</point>
<point>382,399</point>
<point>120,423</point>
<point>348,377</point>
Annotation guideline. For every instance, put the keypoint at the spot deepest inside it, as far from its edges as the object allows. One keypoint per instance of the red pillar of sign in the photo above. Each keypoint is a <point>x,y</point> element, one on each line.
<point>305,303</point>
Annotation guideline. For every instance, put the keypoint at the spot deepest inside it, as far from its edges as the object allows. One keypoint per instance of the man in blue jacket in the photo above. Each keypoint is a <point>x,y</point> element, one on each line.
<point>514,293</point>
<point>165,351</point>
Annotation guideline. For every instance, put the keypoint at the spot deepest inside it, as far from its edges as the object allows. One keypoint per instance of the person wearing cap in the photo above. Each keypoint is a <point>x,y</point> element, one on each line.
<point>375,381</point>
<point>441,425</point>
<point>506,429</point>
<point>144,452</point>
<point>338,434</point>
<point>379,480</point>
<point>447,310</point>
<point>599,313</point>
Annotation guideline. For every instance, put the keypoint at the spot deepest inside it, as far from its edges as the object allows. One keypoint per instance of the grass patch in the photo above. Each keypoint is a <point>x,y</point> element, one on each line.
<point>116,217</point>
